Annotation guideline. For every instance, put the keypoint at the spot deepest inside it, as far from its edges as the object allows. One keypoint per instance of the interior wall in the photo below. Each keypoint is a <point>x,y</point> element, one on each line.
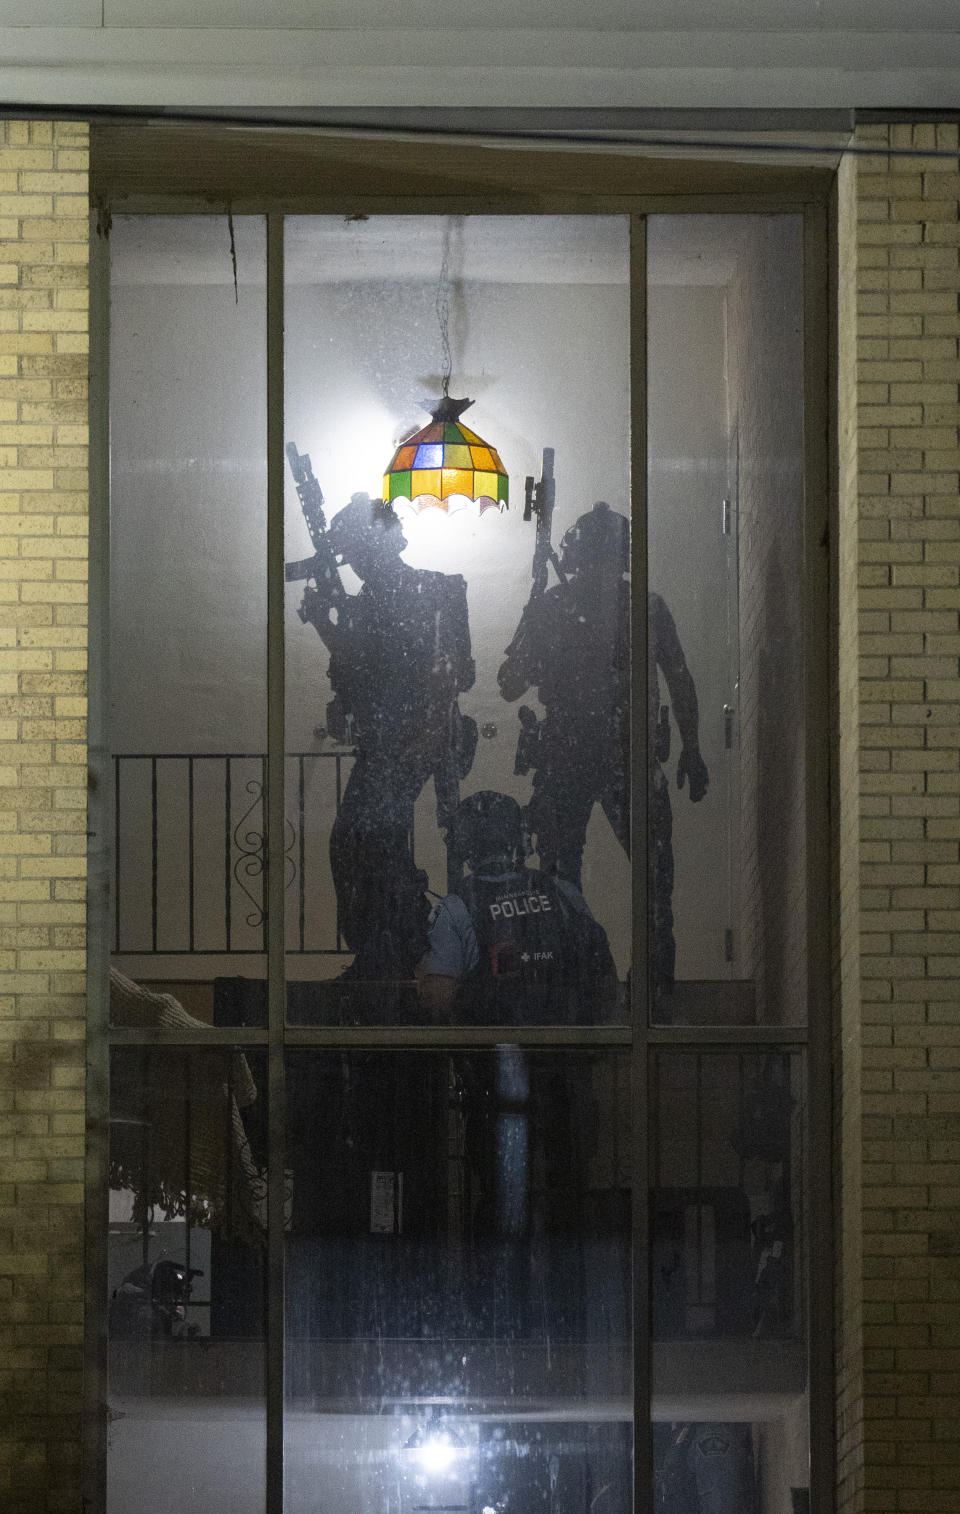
<point>766,372</point>
<point>188,494</point>
<point>548,366</point>
<point>548,363</point>
<point>688,566</point>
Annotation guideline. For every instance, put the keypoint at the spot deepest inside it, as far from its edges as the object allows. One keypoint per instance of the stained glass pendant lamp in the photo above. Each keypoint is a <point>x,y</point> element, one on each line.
<point>446,466</point>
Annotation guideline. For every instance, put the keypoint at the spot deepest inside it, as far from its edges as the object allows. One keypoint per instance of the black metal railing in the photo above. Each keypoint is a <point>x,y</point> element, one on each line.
<point>190,852</point>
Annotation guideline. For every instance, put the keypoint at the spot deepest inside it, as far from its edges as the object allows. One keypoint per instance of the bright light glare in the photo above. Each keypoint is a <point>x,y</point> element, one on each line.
<point>437,1454</point>
<point>461,543</point>
<point>351,453</point>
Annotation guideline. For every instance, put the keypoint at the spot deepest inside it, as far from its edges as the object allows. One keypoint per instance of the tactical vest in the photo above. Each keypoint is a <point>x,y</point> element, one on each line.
<point>541,960</point>
<point>403,656</point>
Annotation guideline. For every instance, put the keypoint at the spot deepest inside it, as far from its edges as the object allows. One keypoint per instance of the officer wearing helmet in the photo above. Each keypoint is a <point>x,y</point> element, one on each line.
<point>400,655</point>
<point>573,644</point>
<point>512,944</point>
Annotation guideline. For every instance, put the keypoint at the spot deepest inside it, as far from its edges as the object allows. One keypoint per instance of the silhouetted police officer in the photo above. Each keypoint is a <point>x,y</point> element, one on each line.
<point>573,643</point>
<point>400,655</point>
<point>512,945</point>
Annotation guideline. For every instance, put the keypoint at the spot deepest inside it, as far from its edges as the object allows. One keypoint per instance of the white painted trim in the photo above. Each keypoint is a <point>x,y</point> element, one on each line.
<point>536,67</point>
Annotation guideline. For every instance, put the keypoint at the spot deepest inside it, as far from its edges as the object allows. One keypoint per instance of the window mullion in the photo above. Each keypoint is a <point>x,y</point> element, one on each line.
<point>100,843</point>
<point>640,1019</point>
<point>276,991</point>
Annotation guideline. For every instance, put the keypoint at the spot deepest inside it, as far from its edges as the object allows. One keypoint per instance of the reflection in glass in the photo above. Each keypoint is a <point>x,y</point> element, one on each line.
<point>726,559</point>
<point>727,1182</point>
<point>186,1278</point>
<point>458,1279</point>
<point>705,1469</point>
<point>411,631</point>
<point>729,1390</point>
<point>723,1466</point>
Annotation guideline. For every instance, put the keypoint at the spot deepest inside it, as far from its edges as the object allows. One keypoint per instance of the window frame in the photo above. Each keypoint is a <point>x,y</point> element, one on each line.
<point>146,170</point>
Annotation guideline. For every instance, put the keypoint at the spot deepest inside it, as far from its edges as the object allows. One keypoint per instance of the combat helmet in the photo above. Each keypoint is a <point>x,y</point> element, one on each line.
<point>487,824</point>
<point>365,521</point>
<point>599,540</point>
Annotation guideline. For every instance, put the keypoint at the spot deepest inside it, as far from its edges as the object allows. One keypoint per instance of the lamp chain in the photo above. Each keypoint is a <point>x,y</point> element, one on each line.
<point>442,305</point>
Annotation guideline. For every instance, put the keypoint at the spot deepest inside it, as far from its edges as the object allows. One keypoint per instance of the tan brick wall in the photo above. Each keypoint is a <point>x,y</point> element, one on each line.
<point>43,548</point>
<point>900,1335</point>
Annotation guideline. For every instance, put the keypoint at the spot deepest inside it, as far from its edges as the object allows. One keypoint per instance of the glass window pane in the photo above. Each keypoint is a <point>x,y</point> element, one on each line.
<point>726,677</point>
<point>458,1280</point>
<point>188,602</point>
<point>728,1254</point>
<point>416,636</point>
<point>186,1268</point>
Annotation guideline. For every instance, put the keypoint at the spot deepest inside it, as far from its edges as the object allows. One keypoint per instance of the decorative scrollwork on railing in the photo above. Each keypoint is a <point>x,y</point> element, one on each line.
<point>252,861</point>
<point>289,863</point>
<point>251,845</point>
<point>189,877</point>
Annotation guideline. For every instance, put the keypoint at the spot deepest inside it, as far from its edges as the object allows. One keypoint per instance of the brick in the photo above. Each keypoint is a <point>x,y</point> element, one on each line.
<point>925,258</point>
<point>46,182</point>
<point>894,414</point>
<point>924,302</point>
<point>874,372</point>
<point>946,372</point>
<point>17,206</point>
<point>888,459</point>
<point>941,184</point>
<point>881,234</point>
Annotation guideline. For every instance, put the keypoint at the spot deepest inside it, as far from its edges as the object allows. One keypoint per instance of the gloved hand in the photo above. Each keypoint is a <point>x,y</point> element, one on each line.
<point>692,766</point>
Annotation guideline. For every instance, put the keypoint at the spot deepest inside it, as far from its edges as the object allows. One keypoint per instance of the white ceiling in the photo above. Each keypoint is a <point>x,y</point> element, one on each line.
<point>824,54</point>
<point>183,250</point>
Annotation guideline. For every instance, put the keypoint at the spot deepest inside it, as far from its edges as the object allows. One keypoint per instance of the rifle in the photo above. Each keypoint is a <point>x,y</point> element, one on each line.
<point>324,592</point>
<point>538,500</point>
